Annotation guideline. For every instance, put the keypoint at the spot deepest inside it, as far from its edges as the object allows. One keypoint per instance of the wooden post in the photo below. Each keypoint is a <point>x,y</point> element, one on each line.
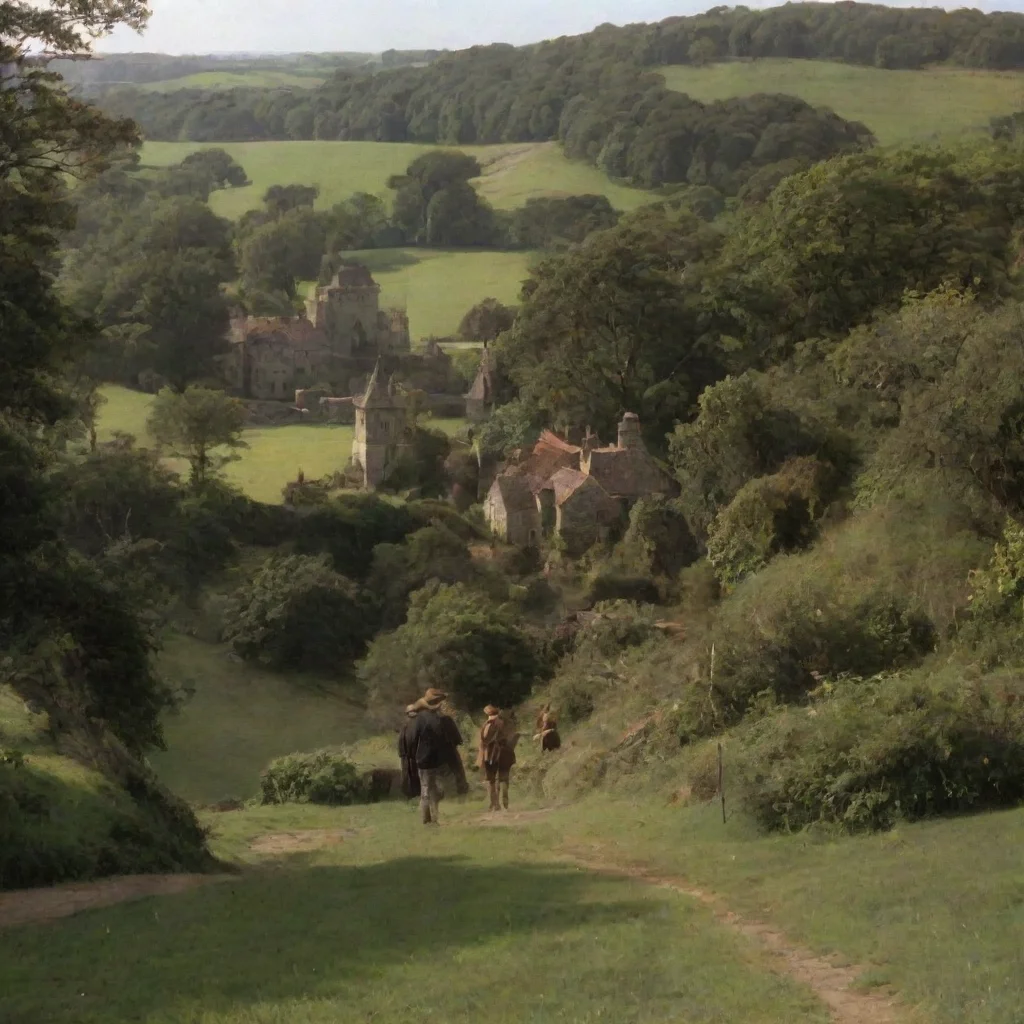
<point>721,787</point>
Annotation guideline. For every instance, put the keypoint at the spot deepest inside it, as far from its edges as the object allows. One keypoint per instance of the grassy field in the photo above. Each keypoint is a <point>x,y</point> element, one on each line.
<point>512,173</point>
<point>274,456</point>
<point>469,921</point>
<point>238,718</point>
<point>393,925</point>
<point>898,106</point>
<point>255,79</point>
<point>438,286</point>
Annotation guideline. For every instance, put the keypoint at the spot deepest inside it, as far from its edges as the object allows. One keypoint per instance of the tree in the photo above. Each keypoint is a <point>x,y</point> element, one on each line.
<point>193,424</point>
<point>222,170</point>
<point>456,640</point>
<point>298,614</point>
<point>604,330</point>
<point>281,199</point>
<point>486,320</point>
<point>276,255</point>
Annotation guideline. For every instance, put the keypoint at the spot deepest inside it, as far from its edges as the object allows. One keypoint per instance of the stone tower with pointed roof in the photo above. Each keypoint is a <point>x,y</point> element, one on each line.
<point>382,430</point>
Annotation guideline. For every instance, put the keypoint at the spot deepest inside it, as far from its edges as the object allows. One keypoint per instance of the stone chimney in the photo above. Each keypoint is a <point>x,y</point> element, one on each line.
<point>629,432</point>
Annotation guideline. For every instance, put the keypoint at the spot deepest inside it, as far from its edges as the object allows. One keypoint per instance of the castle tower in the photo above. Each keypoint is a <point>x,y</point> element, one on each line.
<point>381,432</point>
<point>629,432</point>
<point>480,397</point>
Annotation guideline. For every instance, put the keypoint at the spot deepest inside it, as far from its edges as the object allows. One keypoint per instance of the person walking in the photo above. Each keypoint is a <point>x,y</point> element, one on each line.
<point>433,743</point>
<point>497,755</point>
<point>547,730</point>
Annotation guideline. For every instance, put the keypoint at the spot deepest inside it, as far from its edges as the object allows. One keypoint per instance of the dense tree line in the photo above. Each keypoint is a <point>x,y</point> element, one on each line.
<point>596,93</point>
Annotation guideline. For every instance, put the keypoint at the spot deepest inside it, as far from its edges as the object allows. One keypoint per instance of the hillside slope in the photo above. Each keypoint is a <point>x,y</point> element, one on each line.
<point>937,103</point>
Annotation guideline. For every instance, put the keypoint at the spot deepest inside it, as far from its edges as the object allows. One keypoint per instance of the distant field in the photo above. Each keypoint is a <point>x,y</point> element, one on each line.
<point>237,80</point>
<point>437,287</point>
<point>274,456</point>
<point>512,174</point>
<point>898,106</point>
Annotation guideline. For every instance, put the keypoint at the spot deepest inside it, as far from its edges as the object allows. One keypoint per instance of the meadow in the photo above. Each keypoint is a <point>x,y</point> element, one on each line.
<point>515,924</point>
<point>898,106</point>
<point>437,286</point>
<point>274,454</point>
<point>238,717</point>
<point>511,173</point>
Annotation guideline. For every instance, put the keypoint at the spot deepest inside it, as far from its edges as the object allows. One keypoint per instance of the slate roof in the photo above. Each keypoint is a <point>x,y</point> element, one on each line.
<point>628,472</point>
<point>515,492</point>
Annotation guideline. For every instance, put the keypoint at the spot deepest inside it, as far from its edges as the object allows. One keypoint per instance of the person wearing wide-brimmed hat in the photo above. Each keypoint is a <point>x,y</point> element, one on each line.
<point>433,744</point>
<point>497,755</point>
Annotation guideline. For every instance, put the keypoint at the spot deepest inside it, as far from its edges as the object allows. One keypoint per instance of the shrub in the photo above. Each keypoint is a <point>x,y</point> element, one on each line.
<point>611,586</point>
<point>321,777</point>
<point>456,639</point>
<point>769,515</point>
<point>867,754</point>
<point>618,625</point>
<point>349,527</point>
<point>297,613</point>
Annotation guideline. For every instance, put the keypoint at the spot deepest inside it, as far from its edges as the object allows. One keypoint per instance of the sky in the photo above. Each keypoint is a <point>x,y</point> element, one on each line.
<point>277,26</point>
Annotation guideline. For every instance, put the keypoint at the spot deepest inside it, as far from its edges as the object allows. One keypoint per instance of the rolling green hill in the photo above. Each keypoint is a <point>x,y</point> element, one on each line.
<point>898,106</point>
<point>512,174</point>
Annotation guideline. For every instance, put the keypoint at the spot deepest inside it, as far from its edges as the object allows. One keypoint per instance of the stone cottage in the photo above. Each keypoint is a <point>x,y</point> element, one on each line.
<point>575,492</point>
<point>338,341</point>
<point>382,431</point>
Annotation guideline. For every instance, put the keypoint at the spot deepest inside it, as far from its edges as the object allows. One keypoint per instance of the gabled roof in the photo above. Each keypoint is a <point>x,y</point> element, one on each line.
<point>628,472</point>
<point>566,482</point>
<point>515,491</point>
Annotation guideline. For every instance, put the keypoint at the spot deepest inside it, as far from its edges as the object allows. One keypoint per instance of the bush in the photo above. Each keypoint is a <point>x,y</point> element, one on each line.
<point>297,613</point>
<point>348,528</point>
<point>618,625</point>
<point>867,754</point>
<point>611,586</point>
<point>456,639</point>
<point>321,777</point>
<point>769,515</point>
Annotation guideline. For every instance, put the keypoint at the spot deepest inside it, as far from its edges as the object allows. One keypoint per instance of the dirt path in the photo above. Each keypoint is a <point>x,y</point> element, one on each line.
<point>831,984</point>
<point>30,906</point>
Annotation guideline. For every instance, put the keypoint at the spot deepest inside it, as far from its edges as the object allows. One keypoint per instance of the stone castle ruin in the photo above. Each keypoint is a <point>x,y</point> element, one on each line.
<point>337,342</point>
<point>575,492</point>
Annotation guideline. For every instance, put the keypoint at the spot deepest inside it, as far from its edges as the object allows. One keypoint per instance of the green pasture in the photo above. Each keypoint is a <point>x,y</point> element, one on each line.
<point>438,286</point>
<point>395,924</point>
<point>512,924</point>
<point>248,79</point>
<point>238,718</point>
<point>898,106</point>
<point>274,454</point>
<point>512,173</point>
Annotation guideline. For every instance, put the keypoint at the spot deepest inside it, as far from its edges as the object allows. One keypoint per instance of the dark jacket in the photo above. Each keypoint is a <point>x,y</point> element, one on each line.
<point>410,774</point>
<point>433,740</point>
